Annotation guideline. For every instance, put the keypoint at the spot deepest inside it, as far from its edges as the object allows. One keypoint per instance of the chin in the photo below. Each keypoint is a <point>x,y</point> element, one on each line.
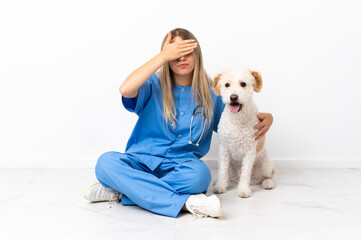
<point>183,72</point>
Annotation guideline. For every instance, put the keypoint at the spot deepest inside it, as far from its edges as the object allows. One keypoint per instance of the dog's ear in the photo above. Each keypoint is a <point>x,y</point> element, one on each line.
<point>258,81</point>
<point>216,87</point>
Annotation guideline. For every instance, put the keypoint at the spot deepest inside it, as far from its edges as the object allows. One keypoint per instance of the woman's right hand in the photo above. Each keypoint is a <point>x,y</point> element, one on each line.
<point>175,50</point>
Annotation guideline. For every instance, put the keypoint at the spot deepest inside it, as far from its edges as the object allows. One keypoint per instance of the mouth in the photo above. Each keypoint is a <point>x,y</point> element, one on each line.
<point>235,107</point>
<point>183,65</point>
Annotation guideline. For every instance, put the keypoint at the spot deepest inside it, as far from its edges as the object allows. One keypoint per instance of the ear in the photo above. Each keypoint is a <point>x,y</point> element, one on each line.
<point>216,87</point>
<point>258,81</point>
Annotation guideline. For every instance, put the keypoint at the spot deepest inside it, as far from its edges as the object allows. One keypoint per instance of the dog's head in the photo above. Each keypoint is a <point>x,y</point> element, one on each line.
<point>237,86</point>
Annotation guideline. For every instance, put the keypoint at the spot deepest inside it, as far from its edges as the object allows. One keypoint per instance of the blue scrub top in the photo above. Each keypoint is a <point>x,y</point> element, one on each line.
<point>152,139</point>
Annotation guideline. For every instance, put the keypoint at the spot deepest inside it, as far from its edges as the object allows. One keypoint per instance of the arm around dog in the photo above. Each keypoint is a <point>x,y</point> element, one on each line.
<point>265,124</point>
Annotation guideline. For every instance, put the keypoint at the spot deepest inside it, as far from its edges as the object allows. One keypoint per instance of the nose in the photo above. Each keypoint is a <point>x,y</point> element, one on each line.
<point>181,58</point>
<point>234,97</point>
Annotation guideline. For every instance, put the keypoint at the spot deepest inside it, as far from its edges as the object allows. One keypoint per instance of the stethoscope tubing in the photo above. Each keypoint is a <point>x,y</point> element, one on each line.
<point>190,127</point>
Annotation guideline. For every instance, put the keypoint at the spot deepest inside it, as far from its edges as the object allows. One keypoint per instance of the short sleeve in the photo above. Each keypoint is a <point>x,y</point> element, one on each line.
<point>137,103</point>
<point>219,107</point>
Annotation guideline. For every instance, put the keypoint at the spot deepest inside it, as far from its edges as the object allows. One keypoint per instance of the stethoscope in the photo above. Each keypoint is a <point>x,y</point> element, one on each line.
<point>190,127</point>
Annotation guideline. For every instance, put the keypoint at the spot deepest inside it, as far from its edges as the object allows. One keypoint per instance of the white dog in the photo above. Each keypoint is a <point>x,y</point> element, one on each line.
<point>241,156</point>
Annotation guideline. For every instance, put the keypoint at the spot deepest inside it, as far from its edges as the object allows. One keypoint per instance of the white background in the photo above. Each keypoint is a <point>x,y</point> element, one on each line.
<point>62,62</point>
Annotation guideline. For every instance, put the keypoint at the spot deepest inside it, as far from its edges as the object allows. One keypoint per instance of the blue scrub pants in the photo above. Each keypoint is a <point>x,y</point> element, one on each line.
<point>163,191</point>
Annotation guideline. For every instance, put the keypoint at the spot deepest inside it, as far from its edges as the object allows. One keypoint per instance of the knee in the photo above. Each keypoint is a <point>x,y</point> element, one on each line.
<point>105,161</point>
<point>200,178</point>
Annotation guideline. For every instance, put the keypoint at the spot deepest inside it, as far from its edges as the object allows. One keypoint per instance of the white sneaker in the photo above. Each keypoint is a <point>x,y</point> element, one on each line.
<point>202,206</point>
<point>95,192</point>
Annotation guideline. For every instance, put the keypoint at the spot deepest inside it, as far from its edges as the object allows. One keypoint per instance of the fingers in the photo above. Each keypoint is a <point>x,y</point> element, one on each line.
<point>188,49</point>
<point>265,124</point>
<point>260,133</point>
<point>177,49</point>
<point>188,41</point>
<point>262,130</point>
<point>186,53</point>
<point>169,37</point>
<point>188,45</point>
<point>259,125</point>
<point>180,43</point>
<point>261,116</point>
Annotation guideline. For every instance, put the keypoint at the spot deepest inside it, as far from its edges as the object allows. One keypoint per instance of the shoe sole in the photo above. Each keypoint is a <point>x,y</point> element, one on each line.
<point>87,189</point>
<point>220,212</point>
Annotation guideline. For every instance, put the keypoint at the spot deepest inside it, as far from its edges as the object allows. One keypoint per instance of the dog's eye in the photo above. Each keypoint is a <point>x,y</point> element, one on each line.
<point>243,84</point>
<point>227,85</point>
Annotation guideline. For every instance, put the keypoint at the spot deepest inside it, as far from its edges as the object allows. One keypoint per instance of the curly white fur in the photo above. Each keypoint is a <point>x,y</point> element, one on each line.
<point>242,158</point>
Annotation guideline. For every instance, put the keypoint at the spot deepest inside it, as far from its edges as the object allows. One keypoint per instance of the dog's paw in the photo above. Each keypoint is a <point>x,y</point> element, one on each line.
<point>268,184</point>
<point>219,189</point>
<point>245,193</point>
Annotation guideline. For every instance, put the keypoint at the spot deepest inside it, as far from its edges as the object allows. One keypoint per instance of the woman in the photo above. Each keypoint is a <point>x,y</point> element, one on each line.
<point>161,169</point>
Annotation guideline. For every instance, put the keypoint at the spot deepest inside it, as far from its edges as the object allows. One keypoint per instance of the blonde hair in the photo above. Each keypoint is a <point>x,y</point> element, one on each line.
<point>201,82</point>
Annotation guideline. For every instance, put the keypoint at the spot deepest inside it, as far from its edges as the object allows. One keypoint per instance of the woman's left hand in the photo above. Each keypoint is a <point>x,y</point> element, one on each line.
<point>265,124</point>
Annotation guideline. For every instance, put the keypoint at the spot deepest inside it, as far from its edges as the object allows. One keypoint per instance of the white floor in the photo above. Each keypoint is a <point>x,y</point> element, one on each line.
<point>306,204</point>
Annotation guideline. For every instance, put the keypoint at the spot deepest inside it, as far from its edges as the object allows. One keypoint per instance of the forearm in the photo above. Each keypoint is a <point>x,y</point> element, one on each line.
<point>137,78</point>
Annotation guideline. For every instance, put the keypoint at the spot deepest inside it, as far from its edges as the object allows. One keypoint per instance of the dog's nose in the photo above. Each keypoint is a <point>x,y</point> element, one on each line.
<point>234,97</point>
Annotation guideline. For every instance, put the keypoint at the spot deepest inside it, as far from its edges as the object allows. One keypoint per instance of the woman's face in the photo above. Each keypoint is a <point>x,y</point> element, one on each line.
<point>182,66</point>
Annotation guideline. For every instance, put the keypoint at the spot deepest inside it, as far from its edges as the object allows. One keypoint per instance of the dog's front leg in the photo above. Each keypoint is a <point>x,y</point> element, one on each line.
<point>223,175</point>
<point>243,188</point>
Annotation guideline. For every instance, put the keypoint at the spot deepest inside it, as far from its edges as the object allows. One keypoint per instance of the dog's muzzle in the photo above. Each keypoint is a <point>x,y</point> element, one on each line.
<point>235,105</point>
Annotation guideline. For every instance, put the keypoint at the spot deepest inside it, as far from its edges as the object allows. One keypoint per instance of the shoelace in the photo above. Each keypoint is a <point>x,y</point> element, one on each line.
<point>107,195</point>
<point>194,208</point>
<point>197,213</point>
<point>112,202</point>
